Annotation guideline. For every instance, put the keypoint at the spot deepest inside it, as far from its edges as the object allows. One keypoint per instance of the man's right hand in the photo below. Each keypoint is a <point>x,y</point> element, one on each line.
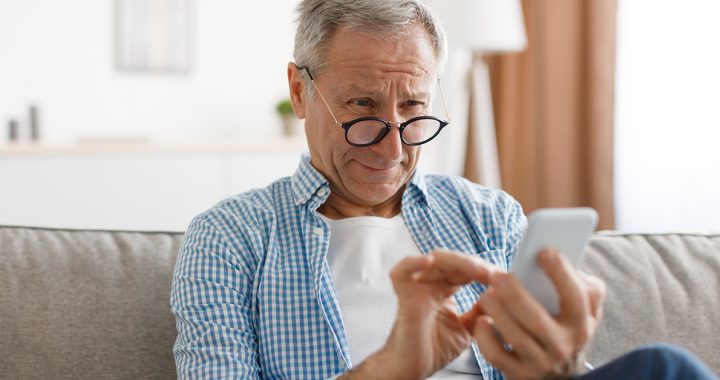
<point>428,333</point>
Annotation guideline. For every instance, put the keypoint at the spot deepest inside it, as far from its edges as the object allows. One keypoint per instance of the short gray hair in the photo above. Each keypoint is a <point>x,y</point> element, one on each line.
<point>318,20</point>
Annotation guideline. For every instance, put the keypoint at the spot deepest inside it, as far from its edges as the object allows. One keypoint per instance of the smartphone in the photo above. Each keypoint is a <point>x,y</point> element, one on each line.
<point>564,229</point>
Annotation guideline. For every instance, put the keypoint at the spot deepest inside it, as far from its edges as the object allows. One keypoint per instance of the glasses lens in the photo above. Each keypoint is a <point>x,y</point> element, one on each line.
<point>420,131</point>
<point>366,132</point>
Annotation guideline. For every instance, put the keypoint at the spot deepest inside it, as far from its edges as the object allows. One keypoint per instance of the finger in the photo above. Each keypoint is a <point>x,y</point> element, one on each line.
<point>574,304</point>
<point>529,314</point>
<point>597,292</point>
<point>574,300</point>
<point>524,345</point>
<point>469,317</point>
<point>405,268</point>
<point>457,268</point>
<point>493,350</point>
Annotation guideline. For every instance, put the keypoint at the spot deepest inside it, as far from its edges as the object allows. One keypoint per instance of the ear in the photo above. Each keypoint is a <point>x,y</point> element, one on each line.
<point>297,87</point>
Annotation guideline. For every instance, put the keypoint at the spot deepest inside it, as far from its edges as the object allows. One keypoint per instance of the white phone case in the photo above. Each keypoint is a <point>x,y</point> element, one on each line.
<point>564,229</point>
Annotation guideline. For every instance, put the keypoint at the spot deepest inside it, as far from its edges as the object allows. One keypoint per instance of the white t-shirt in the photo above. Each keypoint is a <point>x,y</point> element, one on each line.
<point>362,252</point>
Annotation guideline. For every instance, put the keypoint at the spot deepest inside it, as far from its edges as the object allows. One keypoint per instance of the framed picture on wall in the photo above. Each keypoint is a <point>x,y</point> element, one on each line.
<point>153,35</point>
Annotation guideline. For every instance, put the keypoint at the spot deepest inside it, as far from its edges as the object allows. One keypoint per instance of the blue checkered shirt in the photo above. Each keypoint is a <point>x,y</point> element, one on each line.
<point>252,292</point>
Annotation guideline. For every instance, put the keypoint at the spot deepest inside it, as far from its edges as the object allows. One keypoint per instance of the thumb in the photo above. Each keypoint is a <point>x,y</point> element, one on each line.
<point>405,268</point>
<point>469,317</point>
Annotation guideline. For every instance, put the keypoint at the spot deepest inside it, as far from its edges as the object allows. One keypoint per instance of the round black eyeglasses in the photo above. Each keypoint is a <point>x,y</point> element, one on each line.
<point>369,130</point>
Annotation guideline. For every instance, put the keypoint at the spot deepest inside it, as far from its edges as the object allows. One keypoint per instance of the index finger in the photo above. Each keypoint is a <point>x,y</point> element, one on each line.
<point>408,266</point>
<point>457,268</point>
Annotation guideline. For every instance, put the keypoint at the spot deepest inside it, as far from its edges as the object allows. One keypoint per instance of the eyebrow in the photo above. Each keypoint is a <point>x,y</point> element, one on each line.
<point>365,90</point>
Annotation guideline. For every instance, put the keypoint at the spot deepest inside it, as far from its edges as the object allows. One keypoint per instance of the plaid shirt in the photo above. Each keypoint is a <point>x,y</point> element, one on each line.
<point>253,294</point>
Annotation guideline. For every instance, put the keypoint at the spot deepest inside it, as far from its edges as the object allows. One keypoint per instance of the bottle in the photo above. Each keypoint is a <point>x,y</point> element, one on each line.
<point>34,122</point>
<point>13,132</point>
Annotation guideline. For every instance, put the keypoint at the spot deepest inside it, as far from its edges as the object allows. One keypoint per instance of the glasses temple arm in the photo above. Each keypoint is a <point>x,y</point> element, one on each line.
<point>325,101</point>
<point>442,98</point>
<point>320,93</point>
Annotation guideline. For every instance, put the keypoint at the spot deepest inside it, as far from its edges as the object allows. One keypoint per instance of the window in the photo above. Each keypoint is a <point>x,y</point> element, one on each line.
<point>667,157</point>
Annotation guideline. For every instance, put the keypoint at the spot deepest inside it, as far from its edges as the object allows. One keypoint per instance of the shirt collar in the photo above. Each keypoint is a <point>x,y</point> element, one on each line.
<point>416,191</point>
<point>308,181</point>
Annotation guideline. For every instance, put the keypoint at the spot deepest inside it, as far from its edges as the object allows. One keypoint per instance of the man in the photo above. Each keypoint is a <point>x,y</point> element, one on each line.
<point>358,266</point>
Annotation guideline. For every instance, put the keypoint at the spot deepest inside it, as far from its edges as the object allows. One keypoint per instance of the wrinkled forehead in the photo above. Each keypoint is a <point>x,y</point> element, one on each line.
<point>345,39</point>
<point>372,59</point>
<point>378,85</point>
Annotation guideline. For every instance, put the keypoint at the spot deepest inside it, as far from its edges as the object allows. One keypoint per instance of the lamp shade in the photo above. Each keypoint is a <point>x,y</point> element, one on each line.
<point>491,26</point>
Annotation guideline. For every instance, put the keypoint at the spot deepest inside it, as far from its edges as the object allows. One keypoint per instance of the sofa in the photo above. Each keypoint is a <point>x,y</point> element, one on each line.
<point>83,304</point>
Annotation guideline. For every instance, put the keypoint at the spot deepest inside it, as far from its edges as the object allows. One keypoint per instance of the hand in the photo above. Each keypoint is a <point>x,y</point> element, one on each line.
<point>428,333</point>
<point>543,346</point>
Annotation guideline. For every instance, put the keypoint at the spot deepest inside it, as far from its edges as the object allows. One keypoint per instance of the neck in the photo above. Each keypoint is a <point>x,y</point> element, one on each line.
<point>337,207</point>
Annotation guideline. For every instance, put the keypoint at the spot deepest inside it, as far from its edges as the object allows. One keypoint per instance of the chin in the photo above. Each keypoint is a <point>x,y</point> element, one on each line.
<point>373,194</point>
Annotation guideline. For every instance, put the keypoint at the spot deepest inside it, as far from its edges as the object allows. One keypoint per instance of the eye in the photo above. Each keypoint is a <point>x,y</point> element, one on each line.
<point>360,102</point>
<point>414,103</point>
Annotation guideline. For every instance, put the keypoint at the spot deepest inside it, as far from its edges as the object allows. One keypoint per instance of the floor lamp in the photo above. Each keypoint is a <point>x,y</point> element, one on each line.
<point>485,27</point>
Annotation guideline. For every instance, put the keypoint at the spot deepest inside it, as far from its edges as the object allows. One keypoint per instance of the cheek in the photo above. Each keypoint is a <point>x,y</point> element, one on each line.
<point>412,153</point>
<point>322,135</point>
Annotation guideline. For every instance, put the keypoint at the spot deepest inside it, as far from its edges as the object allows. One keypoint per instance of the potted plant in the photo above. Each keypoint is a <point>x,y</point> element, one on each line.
<point>291,124</point>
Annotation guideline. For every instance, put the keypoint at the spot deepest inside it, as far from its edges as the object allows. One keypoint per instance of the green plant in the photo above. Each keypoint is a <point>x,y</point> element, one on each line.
<point>284,108</point>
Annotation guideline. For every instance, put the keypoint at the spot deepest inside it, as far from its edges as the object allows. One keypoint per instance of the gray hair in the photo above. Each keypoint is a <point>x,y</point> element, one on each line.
<point>318,20</point>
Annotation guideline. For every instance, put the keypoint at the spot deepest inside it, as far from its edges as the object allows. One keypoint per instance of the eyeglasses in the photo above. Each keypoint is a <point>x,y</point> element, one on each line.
<point>369,130</point>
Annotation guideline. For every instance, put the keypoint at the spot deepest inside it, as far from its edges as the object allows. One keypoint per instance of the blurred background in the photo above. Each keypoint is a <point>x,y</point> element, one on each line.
<point>139,114</point>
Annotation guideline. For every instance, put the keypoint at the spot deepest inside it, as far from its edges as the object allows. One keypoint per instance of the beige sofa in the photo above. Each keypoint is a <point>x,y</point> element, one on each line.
<point>94,304</point>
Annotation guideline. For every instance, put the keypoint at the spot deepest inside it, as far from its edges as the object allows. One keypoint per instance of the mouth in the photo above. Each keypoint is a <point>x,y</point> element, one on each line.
<point>374,169</point>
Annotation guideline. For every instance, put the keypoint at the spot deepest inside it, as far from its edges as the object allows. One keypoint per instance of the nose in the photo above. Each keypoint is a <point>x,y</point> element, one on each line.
<point>391,146</point>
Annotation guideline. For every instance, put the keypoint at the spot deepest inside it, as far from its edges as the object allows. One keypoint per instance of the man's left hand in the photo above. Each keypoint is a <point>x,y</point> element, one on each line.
<point>517,335</point>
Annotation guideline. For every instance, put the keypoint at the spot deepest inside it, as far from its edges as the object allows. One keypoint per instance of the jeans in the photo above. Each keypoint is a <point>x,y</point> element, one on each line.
<point>653,362</point>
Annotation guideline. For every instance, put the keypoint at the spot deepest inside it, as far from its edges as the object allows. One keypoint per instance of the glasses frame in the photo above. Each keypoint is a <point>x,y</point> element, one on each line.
<point>388,124</point>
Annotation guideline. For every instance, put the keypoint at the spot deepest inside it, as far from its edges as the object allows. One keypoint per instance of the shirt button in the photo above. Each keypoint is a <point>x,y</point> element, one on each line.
<point>318,231</point>
<point>322,192</point>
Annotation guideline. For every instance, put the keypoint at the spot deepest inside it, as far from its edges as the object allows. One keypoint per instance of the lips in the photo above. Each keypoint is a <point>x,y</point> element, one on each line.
<point>374,169</point>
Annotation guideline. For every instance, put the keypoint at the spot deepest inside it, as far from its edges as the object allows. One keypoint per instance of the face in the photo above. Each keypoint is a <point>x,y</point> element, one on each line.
<point>367,76</point>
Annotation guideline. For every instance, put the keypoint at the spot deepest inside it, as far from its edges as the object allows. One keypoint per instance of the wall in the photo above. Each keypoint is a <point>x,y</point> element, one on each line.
<point>59,54</point>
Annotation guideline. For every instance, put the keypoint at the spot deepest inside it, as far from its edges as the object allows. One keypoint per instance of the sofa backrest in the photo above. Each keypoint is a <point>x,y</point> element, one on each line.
<point>95,304</point>
<point>86,304</point>
<point>661,288</point>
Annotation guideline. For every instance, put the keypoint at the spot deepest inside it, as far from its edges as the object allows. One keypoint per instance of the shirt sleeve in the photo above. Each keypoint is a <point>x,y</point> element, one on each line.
<point>515,225</point>
<point>211,300</point>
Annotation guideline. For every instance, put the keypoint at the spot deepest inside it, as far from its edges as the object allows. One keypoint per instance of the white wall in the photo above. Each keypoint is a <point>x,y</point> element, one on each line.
<point>668,115</point>
<point>59,54</point>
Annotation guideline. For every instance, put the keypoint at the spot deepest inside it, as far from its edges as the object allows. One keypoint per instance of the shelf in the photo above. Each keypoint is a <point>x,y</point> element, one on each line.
<point>253,145</point>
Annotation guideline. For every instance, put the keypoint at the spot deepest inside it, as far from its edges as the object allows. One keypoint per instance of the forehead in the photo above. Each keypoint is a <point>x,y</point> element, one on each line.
<point>407,56</point>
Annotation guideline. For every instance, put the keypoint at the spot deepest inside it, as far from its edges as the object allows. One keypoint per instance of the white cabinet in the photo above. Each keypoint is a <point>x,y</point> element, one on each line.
<point>128,187</point>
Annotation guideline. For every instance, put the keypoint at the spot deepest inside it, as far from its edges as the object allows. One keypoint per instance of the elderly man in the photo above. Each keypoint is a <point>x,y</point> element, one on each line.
<point>360,267</point>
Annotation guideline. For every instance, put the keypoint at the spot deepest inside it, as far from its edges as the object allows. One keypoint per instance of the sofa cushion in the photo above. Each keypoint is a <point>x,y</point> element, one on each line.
<point>86,304</point>
<point>95,304</point>
<point>661,288</point>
